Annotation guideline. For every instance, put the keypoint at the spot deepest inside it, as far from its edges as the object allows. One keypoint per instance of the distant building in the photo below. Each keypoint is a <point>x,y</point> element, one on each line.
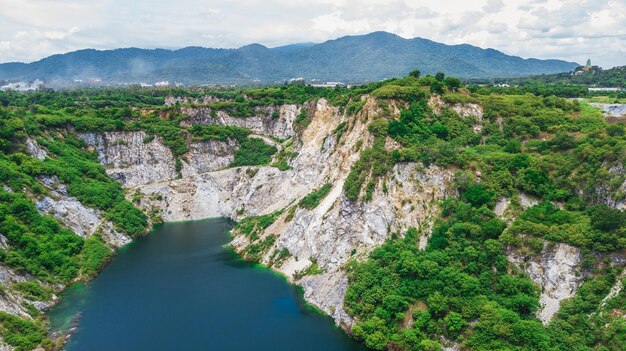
<point>328,85</point>
<point>162,84</point>
<point>592,90</point>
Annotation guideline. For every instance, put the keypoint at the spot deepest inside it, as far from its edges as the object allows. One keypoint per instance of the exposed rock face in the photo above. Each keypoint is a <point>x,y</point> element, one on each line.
<point>130,160</point>
<point>607,194</point>
<point>208,156</point>
<point>182,100</point>
<point>33,148</point>
<point>464,110</point>
<point>328,235</point>
<point>11,302</point>
<point>555,270</point>
<point>82,220</point>
<point>612,110</point>
<point>134,162</point>
<point>264,122</point>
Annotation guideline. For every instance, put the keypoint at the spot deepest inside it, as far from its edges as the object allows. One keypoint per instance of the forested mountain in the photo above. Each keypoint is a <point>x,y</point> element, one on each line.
<point>370,57</point>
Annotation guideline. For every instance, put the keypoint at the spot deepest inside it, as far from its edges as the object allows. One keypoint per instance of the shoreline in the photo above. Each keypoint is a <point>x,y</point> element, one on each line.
<point>62,336</point>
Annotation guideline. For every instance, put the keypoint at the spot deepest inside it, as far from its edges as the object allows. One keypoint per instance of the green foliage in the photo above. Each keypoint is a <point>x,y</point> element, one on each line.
<point>405,93</point>
<point>255,251</point>
<point>39,245</point>
<point>313,269</point>
<point>279,256</point>
<point>219,132</point>
<point>373,164</point>
<point>34,291</point>
<point>600,228</point>
<point>566,84</point>
<point>436,87</point>
<point>253,152</point>
<point>415,73</point>
<point>478,195</point>
<point>460,274</point>
<point>23,334</point>
<point>462,286</point>
<point>312,200</point>
<point>88,182</point>
<point>93,256</point>
<point>302,120</point>
<point>253,226</point>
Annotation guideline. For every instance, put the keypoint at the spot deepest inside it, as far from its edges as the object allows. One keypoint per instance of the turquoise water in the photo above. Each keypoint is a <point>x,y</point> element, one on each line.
<point>181,288</point>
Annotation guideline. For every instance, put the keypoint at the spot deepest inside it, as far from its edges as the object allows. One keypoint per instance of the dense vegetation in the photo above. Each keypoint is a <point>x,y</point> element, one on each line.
<point>591,76</point>
<point>569,84</point>
<point>462,286</point>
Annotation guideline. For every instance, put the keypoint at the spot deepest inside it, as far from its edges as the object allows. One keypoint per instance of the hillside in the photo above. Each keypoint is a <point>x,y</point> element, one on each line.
<point>370,57</point>
<point>415,214</point>
<point>588,77</point>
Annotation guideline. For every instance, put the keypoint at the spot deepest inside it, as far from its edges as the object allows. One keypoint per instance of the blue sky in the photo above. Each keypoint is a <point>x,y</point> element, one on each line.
<point>564,29</point>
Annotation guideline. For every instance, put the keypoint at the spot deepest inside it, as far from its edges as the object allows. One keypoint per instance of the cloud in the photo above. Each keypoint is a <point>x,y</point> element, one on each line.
<point>565,29</point>
<point>493,6</point>
<point>333,22</point>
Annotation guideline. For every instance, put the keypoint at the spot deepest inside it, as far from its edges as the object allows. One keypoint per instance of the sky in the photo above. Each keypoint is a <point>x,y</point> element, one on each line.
<point>572,30</point>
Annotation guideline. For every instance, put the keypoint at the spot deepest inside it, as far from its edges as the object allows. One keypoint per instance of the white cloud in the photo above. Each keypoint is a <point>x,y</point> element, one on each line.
<point>493,6</point>
<point>565,29</point>
<point>333,22</point>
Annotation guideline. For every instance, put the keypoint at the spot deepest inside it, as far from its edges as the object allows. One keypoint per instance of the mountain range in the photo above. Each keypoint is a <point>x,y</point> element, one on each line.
<point>369,57</point>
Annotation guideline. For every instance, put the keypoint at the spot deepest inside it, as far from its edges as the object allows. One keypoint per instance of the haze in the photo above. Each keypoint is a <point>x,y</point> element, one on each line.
<point>568,30</point>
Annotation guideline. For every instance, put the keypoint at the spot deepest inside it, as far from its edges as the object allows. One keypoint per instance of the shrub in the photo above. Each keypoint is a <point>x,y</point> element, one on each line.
<point>312,200</point>
<point>253,152</point>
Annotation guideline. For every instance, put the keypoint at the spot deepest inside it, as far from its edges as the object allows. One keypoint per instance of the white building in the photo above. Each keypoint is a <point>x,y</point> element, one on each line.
<point>592,90</point>
<point>328,85</point>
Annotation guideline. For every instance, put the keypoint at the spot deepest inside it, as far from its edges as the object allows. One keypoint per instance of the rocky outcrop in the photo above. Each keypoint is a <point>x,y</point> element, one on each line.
<point>135,159</point>
<point>610,194</point>
<point>185,100</point>
<point>132,158</point>
<point>437,104</point>
<point>556,270</point>
<point>275,121</point>
<point>33,148</point>
<point>208,156</point>
<point>82,220</point>
<point>11,301</point>
<point>338,229</point>
<point>612,110</point>
<point>327,235</point>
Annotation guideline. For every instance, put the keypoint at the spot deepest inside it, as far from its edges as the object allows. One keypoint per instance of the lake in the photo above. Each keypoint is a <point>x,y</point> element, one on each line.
<point>183,288</point>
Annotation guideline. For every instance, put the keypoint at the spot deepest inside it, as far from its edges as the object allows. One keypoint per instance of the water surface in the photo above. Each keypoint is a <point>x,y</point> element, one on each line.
<point>181,288</point>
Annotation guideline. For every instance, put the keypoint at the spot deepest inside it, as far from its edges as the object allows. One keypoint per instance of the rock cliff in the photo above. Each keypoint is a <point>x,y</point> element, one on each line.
<point>328,235</point>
